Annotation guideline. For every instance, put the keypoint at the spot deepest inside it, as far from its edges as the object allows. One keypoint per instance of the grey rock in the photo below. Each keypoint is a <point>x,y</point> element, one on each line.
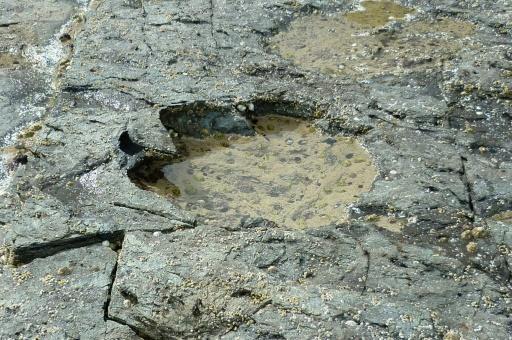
<point>148,131</point>
<point>59,297</point>
<point>490,185</point>
<point>130,75</point>
<point>259,282</point>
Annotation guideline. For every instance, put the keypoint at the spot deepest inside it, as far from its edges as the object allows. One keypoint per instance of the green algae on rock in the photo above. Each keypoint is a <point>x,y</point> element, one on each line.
<point>356,45</point>
<point>288,173</point>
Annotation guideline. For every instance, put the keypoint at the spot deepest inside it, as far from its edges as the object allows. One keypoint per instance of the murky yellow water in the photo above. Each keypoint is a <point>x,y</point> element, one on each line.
<point>8,60</point>
<point>288,173</point>
<point>378,13</point>
<point>352,45</point>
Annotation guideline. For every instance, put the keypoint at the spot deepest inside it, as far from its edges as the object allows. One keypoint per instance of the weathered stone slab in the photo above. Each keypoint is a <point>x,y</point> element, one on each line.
<point>325,283</point>
<point>60,297</point>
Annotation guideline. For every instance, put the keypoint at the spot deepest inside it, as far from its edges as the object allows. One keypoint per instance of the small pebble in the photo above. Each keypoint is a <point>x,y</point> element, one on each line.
<point>272,269</point>
<point>351,323</point>
<point>329,140</point>
<point>241,108</point>
<point>157,233</point>
<point>105,243</point>
<point>64,271</point>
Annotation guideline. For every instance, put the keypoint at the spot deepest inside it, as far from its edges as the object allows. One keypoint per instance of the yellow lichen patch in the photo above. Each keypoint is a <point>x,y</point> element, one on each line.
<point>21,276</point>
<point>378,13</point>
<point>349,44</point>
<point>30,131</point>
<point>288,173</point>
<point>451,335</point>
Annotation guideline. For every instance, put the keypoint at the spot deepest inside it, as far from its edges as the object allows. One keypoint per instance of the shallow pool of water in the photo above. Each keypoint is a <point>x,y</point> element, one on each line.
<point>288,173</point>
<point>355,44</point>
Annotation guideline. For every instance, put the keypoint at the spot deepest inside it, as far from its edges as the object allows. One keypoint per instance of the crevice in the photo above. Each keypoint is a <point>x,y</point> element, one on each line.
<point>212,30</point>
<point>106,305</point>
<point>73,28</point>
<point>415,128</point>
<point>469,188</point>
<point>366,254</point>
<point>189,224</point>
<point>128,146</point>
<point>137,331</point>
<point>141,98</point>
<point>27,254</point>
<point>49,182</point>
<point>113,274</point>
<point>462,202</point>
<point>143,28</point>
<point>183,21</point>
<point>261,306</point>
<point>134,79</point>
<point>8,24</point>
<point>53,127</point>
<point>75,89</point>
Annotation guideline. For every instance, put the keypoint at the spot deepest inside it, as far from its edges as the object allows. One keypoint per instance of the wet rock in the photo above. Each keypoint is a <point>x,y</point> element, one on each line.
<point>201,120</point>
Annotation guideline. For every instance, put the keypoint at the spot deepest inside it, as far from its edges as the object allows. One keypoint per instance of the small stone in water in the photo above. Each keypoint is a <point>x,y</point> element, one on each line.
<point>329,140</point>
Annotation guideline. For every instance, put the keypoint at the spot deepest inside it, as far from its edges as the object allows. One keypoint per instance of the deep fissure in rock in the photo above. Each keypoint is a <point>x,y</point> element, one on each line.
<point>23,255</point>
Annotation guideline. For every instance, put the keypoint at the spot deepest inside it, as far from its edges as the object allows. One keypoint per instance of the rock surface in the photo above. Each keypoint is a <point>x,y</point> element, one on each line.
<point>90,90</point>
<point>60,297</point>
<point>328,283</point>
